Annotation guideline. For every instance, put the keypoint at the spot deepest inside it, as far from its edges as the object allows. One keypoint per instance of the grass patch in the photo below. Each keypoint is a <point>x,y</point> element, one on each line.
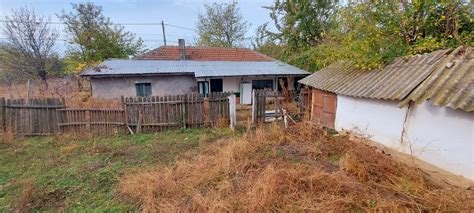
<point>74,173</point>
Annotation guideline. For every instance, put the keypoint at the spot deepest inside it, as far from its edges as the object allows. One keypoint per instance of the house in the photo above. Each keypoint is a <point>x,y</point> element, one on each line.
<point>171,70</point>
<point>421,105</point>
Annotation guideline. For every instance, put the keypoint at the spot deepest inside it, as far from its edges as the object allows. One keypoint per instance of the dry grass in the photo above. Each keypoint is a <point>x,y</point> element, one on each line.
<point>74,91</point>
<point>302,168</point>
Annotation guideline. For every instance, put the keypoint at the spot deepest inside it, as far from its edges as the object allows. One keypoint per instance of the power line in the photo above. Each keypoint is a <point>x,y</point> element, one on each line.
<point>129,24</point>
<point>145,40</point>
<point>184,28</point>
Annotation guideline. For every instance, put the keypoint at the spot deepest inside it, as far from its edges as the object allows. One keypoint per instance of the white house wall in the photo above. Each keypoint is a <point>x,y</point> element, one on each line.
<point>381,121</point>
<point>442,136</point>
<point>438,135</point>
<point>231,84</point>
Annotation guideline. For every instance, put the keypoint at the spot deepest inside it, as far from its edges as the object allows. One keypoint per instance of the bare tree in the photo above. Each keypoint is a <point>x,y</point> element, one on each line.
<point>222,26</point>
<point>31,36</point>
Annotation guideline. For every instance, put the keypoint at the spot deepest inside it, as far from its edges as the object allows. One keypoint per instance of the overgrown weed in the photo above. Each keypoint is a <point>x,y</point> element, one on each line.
<point>258,172</point>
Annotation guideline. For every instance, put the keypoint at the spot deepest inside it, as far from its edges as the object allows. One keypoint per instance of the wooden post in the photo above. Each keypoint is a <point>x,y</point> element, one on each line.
<point>3,114</point>
<point>206,106</point>
<point>254,107</point>
<point>125,114</point>
<point>183,104</point>
<point>139,122</point>
<point>232,111</point>
<point>277,105</point>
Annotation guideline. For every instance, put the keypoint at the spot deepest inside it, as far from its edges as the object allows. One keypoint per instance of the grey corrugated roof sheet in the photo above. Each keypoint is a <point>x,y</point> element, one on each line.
<point>117,67</point>
<point>451,84</point>
<point>452,88</point>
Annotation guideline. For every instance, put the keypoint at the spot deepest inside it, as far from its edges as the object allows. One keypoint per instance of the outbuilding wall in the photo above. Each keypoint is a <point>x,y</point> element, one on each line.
<point>438,135</point>
<point>442,136</point>
<point>380,120</point>
<point>108,88</point>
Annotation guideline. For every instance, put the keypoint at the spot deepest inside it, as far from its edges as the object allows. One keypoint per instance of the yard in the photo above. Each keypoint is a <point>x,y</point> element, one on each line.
<point>266,168</point>
<point>78,173</point>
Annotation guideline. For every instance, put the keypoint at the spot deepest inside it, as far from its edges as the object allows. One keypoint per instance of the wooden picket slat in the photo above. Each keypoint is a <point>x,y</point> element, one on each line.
<point>176,111</point>
<point>30,117</point>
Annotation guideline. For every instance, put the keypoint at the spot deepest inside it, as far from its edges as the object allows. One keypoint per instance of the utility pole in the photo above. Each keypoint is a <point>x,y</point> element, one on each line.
<point>163,28</point>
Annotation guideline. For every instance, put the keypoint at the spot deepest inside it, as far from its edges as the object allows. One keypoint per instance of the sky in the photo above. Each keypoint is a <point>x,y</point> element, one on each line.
<point>182,13</point>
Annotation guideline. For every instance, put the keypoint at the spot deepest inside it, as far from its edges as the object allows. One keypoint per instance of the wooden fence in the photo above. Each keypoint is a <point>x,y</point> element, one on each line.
<point>179,111</point>
<point>304,101</point>
<point>93,121</point>
<point>279,105</point>
<point>49,116</point>
<point>30,117</point>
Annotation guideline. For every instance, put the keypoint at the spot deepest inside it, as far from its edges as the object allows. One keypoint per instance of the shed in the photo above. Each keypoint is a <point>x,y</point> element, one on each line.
<point>421,105</point>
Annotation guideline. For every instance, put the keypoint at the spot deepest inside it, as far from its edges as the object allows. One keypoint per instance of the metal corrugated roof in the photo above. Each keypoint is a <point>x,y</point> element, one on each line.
<point>198,68</point>
<point>416,78</point>
<point>394,82</point>
<point>451,84</point>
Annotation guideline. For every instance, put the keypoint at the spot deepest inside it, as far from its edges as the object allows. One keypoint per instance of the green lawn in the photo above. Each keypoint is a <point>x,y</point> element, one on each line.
<point>74,173</point>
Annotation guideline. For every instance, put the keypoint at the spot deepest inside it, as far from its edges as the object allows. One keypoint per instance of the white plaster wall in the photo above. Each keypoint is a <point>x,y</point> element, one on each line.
<point>440,136</point>
<point>231,84</point>
<point>443,137</point>
<point>381,121</point>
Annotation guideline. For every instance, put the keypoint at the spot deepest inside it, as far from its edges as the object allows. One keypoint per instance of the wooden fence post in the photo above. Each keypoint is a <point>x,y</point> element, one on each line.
<point>254,106</point>
<point>207,116</point>
<point>3,114</point>
<point>232,113</point>
<point>139,122</point>
<point>184,114</point>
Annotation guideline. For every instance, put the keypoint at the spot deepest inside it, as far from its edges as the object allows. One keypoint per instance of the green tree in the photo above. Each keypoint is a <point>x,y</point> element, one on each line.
<point>264,43</point>
<point>94,38</point>
<point>221,25</point>
<point>301,23</point>
<point>371,33</point>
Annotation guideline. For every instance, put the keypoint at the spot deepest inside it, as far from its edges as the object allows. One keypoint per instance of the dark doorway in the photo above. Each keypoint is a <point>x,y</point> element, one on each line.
<point>262,84</point>
<point>216,85</point>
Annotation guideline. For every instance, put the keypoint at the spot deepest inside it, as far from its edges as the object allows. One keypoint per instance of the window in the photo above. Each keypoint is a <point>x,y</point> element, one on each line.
<point>203,87</point>
<point>216,85</point>
<point>262,84</point>
<point>143,89</point>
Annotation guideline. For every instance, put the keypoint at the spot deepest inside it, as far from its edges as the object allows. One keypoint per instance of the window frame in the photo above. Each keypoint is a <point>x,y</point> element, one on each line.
<point>143,87</point>
<point>204,87</point>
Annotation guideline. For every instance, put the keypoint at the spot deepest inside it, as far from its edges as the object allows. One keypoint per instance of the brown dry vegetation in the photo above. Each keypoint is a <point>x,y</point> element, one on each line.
<point>302,168</point>
<point>74,91</point>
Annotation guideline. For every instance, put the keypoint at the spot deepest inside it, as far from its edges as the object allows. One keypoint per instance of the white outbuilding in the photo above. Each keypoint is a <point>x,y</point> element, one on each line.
<point>421,105</point>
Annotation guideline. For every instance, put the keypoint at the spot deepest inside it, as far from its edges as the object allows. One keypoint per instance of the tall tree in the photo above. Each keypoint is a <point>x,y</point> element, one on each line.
<point>30,41</point>
<point>369,33</point>
<point>221,25</point>
<point>301,23</point>
<point>95,38</point>
<point>266,44</point>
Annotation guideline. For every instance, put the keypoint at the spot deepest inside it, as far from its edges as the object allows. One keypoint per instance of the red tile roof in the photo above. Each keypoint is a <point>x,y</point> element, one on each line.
<point>204,54</point>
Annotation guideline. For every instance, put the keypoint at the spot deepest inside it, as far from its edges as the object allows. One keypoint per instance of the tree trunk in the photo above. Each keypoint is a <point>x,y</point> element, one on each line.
<point>44,83</point>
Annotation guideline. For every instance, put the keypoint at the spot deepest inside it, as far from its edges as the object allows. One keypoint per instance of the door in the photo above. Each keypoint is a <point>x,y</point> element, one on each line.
<point>324,108</point>
<point>246,96</point>
<point>216,85</point>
